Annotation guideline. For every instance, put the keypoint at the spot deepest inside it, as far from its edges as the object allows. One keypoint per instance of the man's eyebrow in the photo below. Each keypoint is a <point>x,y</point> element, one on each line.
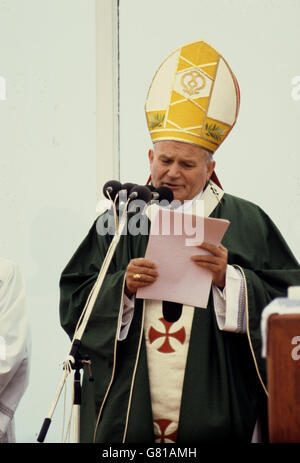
<point>163,155</point>
<point>188,161</point>
<point>170,157</point>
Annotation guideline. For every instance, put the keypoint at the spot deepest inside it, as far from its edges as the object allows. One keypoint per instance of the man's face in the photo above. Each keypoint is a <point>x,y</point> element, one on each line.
<point>180,166</point>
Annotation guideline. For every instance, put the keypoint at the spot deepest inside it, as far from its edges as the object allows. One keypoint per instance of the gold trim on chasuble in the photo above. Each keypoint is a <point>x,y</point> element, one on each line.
<point>248,331</point>
<point>114,361</point>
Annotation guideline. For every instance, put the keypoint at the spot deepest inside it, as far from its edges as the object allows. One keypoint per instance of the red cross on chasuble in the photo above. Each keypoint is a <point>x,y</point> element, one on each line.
<point>167,346</point>
<point>165,431</point>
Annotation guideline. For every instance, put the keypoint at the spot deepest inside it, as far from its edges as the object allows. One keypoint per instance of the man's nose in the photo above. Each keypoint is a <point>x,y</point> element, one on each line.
<point>174,170</point>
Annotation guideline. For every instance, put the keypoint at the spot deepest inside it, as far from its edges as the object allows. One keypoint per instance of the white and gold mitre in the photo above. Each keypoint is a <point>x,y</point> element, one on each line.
<point>193,97</point>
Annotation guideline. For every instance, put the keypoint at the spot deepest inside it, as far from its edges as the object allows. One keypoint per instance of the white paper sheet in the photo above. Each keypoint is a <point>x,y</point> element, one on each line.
<point>171,246</point>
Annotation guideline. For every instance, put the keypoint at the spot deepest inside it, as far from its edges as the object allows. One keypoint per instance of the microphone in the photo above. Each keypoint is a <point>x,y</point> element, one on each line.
<point>150,187</point>
<point>111,189</point>
<point>140,192</point>
<point>124,193</point>
<point>163,192</point>
<point>128,186</point>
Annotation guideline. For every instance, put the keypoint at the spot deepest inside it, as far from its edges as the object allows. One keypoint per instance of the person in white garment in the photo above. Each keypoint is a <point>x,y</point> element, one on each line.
<point>14,346</point>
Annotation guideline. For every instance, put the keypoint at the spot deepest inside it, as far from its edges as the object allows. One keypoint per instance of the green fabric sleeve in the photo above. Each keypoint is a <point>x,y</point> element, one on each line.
<point>76,283</point>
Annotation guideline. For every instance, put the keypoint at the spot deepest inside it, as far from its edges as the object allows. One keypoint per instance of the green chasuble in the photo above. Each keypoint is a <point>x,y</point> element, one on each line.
<point>224,389</point>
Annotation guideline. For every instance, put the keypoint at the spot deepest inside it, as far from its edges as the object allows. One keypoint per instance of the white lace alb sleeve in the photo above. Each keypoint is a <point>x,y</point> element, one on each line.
<point>127,315</point>
<point>230,304</point>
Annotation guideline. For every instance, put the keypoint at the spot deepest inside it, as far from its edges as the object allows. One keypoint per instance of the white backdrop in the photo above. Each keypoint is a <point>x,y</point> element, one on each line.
<point>47,171</point>
<point>260,160</point>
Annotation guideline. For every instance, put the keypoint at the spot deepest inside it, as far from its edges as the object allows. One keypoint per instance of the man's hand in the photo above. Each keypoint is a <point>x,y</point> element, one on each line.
<point>216,263</point>
<point>140,272</point>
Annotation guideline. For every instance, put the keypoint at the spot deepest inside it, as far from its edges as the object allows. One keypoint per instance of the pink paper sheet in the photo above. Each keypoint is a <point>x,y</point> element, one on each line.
<point>180,279</point>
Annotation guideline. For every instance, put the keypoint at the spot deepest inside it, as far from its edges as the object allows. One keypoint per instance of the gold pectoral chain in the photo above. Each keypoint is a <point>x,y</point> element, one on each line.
<point>215,192</point>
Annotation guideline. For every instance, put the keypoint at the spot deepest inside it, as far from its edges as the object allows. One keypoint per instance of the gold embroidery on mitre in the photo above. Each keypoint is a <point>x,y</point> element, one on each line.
<point>156,119</point>
<point>192,82</point>
<point>215,130</point>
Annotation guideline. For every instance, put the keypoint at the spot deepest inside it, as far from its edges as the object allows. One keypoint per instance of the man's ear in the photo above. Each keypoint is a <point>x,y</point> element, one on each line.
<point>211,168</point>
<point>151,155</point>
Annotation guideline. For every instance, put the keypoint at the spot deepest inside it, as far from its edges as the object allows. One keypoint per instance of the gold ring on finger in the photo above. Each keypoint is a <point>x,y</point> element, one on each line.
<point>137,276</point>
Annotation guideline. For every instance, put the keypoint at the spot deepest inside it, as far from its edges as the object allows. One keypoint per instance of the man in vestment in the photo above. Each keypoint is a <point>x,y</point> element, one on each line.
<point>165,371</point>
<point>14,346</point>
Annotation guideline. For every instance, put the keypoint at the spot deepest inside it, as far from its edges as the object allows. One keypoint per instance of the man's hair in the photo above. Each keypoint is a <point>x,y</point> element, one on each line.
<point>209,156</point>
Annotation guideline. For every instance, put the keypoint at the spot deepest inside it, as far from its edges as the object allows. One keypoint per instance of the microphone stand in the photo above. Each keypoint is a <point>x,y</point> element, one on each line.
<point>74,360</point>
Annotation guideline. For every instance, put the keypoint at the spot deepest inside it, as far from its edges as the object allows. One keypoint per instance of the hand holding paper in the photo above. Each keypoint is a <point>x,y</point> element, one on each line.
<point>180,279</point>
<point>140,272</point>
<point>216,262</point>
